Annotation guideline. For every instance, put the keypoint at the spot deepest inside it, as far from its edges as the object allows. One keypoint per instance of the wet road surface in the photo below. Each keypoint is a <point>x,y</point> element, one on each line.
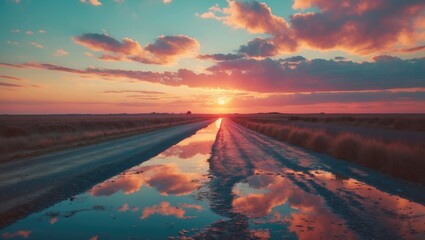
<point>29,185</point>
<point>227,182</point>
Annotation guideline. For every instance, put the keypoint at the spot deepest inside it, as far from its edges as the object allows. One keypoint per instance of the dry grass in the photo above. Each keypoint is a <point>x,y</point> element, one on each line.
<point>22,136</point>
<point>399,159</point>
<point>411,122</point>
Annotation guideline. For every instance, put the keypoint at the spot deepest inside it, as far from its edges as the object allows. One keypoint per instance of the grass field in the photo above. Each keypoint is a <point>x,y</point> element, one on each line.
<point>397,158</point>
<point>410,122</point>
<point>30,135</point>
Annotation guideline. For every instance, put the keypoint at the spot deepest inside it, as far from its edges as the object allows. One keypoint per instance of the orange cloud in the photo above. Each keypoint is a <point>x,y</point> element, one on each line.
<point>165,49</point>
<point>192,206</point>
<point>360,27</point>
<point>128,183</point>
<point>261,234</point>
<point>92,2</point>
<point>257,17</point>
<point>164,208</point>
<point>412,49</point>
<point>259,205</point>
<point>167,179</point>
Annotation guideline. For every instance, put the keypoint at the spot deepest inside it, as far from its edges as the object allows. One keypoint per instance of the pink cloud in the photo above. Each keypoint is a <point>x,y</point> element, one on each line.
<point>10,85</point>
<point>37,45</point>
<point>295,74</point>
<point>166,46</point>
<point>164,208</point>
<point>192,206</point>
<point>128,184</point>
<point>103,42</point>
<point>19,233</point>
<point>257,17</point>
<point>124,208</point>
<point>165,49</point>
<point>360,27</point>
<point>278,191</point>
<point>53,220</point>
<point>166,179</point>
<point>60,53</point>
<point>11,77</point>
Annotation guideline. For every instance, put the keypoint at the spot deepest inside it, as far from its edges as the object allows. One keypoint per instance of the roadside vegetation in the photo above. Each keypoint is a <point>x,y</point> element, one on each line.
<point>397,158</point>
<point>410,122</point>
<point>24,136</point>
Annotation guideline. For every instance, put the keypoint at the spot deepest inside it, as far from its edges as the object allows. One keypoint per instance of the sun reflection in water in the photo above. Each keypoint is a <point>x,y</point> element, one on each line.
<point>218,123</point>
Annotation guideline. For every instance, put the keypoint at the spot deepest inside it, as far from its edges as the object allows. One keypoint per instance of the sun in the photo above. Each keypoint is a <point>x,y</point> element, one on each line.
<point>221,101</point>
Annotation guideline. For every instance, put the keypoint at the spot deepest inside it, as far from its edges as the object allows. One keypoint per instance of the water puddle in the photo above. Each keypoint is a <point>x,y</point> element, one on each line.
<point>276,207</point>
<point>160,198</point>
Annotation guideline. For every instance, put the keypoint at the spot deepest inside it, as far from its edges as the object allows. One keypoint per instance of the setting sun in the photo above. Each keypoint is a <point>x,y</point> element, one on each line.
<point>221,101</point>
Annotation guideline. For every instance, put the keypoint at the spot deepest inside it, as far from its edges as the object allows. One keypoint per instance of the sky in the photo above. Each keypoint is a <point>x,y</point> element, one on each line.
<point>204,56</point>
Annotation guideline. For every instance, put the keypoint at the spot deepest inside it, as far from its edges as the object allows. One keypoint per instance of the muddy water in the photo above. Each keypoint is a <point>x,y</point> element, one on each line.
<point>250,187</point>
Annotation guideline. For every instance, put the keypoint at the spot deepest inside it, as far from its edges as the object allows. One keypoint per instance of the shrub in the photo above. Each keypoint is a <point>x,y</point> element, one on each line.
<point>10,132</point>
<point>299,137</point>
<point>346,146</point>
<point>284,133</point>
<point>373,154</point>
<point>319,142</point>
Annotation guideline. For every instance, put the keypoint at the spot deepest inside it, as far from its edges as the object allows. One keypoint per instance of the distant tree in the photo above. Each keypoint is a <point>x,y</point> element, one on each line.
<point>189,112</point>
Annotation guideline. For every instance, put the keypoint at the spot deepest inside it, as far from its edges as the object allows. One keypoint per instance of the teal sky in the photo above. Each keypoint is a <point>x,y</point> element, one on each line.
<point>140,20</point>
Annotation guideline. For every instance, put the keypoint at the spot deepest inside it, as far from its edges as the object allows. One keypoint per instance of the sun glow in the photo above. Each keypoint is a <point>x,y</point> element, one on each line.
<point>222,101</point>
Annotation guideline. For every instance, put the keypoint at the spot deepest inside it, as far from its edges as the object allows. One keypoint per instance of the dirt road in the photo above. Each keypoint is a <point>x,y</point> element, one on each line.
<point>258,182</point>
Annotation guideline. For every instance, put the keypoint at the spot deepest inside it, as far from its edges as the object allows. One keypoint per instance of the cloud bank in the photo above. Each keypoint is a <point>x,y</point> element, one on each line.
<point>294,74</point>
